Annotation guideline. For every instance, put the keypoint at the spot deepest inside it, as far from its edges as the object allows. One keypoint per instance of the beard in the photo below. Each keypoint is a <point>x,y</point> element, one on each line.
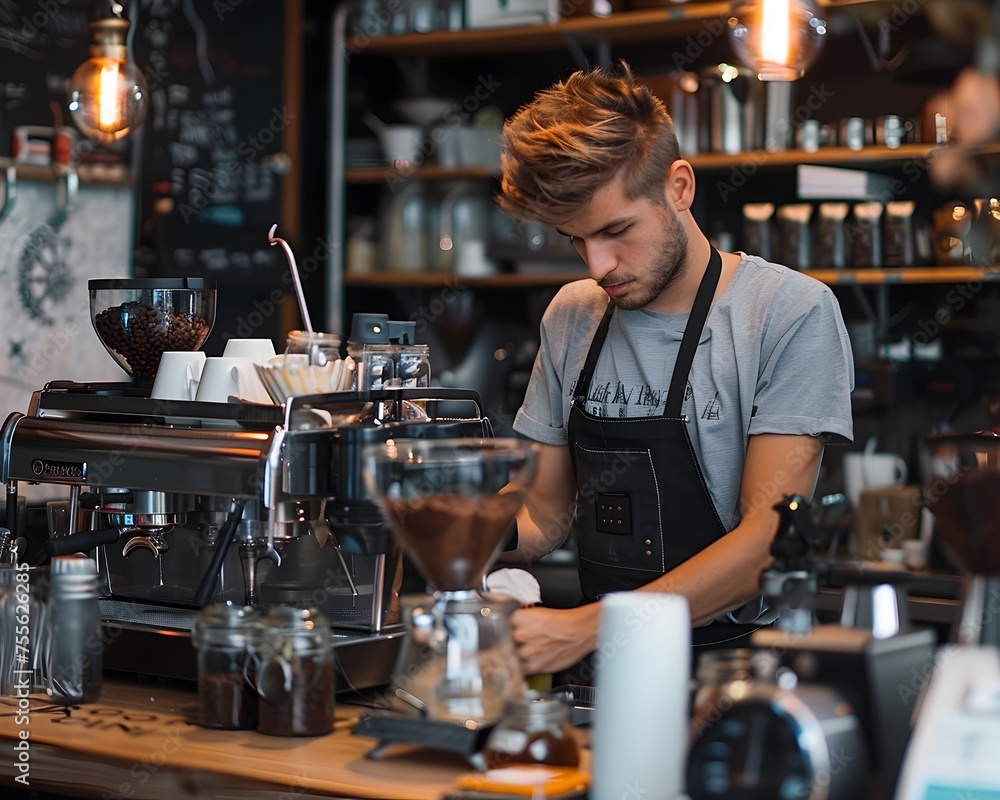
<point>663,272</point>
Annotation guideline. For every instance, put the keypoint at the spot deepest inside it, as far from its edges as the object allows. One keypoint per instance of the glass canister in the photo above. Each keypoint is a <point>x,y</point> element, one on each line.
<point>293,673</point>
<point>320,348</point>
<point>534,729</point>
<point>222,636</point>
<point>24,629</point>
<point>387,355</point>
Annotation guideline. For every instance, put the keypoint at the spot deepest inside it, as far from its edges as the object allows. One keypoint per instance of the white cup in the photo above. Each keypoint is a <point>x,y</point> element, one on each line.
<point>916,553</point>
<point>257,350</point>
<point>224,377</point>
<point>871,471</point>
<point>178,375</point>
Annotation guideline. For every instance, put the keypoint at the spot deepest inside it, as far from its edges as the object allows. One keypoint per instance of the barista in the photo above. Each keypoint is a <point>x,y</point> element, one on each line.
<point>678,393</point>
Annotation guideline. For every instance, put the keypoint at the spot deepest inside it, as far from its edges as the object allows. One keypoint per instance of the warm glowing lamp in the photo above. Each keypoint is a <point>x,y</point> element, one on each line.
<point>778,39</point>
<point>107,94</point>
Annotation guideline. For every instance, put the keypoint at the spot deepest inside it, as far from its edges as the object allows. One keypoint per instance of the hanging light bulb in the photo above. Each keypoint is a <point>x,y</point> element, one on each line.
<point>107,93</point>
<point>778,39</point>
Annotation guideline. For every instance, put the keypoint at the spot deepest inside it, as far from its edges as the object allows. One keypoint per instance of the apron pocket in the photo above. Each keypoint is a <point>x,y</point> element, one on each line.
<point>618,517</point>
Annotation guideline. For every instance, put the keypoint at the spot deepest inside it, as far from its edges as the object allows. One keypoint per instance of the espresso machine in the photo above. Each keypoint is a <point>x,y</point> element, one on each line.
<point>186,503</point>
<point>828,711</point>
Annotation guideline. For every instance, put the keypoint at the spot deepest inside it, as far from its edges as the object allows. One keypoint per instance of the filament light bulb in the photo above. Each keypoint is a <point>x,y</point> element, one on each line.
<point>108,97</point>
<point>778,39</point>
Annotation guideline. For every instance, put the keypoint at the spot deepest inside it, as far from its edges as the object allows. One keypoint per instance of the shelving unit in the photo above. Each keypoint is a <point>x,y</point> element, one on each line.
<point>626,27</point>
<point>671,23</point>
<point>674,22</point>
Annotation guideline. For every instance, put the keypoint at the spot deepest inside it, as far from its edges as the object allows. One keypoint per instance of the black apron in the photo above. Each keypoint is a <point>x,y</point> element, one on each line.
<point>643,504</point>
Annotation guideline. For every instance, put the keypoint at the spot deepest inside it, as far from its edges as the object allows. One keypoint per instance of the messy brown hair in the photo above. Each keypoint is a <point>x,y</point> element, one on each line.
<point>576,137</point>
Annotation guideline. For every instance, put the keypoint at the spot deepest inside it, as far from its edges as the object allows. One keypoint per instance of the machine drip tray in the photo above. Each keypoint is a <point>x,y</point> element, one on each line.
<point>152,640</point>
<point>394,728</point>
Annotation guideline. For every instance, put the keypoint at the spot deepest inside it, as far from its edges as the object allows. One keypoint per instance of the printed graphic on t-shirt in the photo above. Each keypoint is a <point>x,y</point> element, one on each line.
<point>713,409</point>
<point>622,400</point>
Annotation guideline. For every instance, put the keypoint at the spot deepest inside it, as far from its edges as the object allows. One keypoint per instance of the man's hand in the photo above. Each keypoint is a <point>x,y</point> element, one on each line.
<point>550,639</point>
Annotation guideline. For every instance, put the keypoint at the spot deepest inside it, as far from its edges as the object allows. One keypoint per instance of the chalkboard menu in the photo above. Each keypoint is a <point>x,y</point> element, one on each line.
<point>211,161</point>
<point>42,42</point>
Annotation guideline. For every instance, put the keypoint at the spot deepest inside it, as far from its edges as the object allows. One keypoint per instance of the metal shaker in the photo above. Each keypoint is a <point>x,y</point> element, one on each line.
<point>75,660</point>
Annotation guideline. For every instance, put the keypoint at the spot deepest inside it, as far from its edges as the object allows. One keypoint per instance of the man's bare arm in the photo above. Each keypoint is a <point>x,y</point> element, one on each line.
<point>545,519</point>
<point>727,573</point>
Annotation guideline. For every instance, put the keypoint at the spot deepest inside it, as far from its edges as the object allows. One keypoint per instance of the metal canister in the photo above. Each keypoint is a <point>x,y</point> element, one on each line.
<point>76,649</point>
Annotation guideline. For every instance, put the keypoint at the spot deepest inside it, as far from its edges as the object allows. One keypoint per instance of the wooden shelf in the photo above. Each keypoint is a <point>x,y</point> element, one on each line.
<point>433,173</point>
<point>96,174</point>
<point>755,159</point>
<point>832,277</point>
<point>908,275</point>
<point>623,27</point>
<point>442,279</point>
<point>826,156</point>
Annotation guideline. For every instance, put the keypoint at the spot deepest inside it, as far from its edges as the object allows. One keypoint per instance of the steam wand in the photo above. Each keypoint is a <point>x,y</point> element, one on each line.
<point>211,577</point>
<point>791,580</point>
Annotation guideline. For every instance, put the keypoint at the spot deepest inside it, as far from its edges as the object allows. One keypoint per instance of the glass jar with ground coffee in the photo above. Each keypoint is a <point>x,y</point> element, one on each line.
<point>535,729</point>
<point>293,673</point>
<point>222,636</point>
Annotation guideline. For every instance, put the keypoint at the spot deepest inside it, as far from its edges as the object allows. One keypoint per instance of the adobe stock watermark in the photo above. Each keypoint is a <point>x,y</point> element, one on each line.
<point>691,50</point>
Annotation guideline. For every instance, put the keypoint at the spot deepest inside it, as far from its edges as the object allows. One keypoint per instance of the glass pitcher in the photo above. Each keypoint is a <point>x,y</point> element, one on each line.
<point>458,662</point>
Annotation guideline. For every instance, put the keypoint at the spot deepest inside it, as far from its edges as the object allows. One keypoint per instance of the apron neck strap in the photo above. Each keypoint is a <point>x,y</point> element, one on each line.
<point>583,382</point>
<point>692,333</point>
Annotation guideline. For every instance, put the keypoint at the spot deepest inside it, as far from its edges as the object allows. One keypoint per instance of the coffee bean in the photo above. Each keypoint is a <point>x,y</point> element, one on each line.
<point>140,334</point>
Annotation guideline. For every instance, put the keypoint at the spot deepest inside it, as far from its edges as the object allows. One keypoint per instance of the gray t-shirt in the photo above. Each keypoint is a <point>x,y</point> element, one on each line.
<point>774,357</point>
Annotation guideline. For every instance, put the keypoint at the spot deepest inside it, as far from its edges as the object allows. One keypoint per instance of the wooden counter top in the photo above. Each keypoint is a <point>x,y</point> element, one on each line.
<point>140,741</point>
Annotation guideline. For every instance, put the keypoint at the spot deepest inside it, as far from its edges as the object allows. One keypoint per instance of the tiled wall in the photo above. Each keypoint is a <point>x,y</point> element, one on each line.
<point>45,263</point>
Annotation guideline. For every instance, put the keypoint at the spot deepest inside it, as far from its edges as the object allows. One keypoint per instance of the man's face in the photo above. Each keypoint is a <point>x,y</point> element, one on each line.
<point>635,249</point>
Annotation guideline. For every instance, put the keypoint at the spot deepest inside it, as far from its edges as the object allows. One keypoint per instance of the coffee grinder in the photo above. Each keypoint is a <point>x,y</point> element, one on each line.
<point>451,504</point>
<point>828,713</point>
<point>953,749</point>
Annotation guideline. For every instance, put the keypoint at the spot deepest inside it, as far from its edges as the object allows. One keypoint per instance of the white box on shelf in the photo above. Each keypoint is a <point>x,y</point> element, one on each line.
<point>506,13</point>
